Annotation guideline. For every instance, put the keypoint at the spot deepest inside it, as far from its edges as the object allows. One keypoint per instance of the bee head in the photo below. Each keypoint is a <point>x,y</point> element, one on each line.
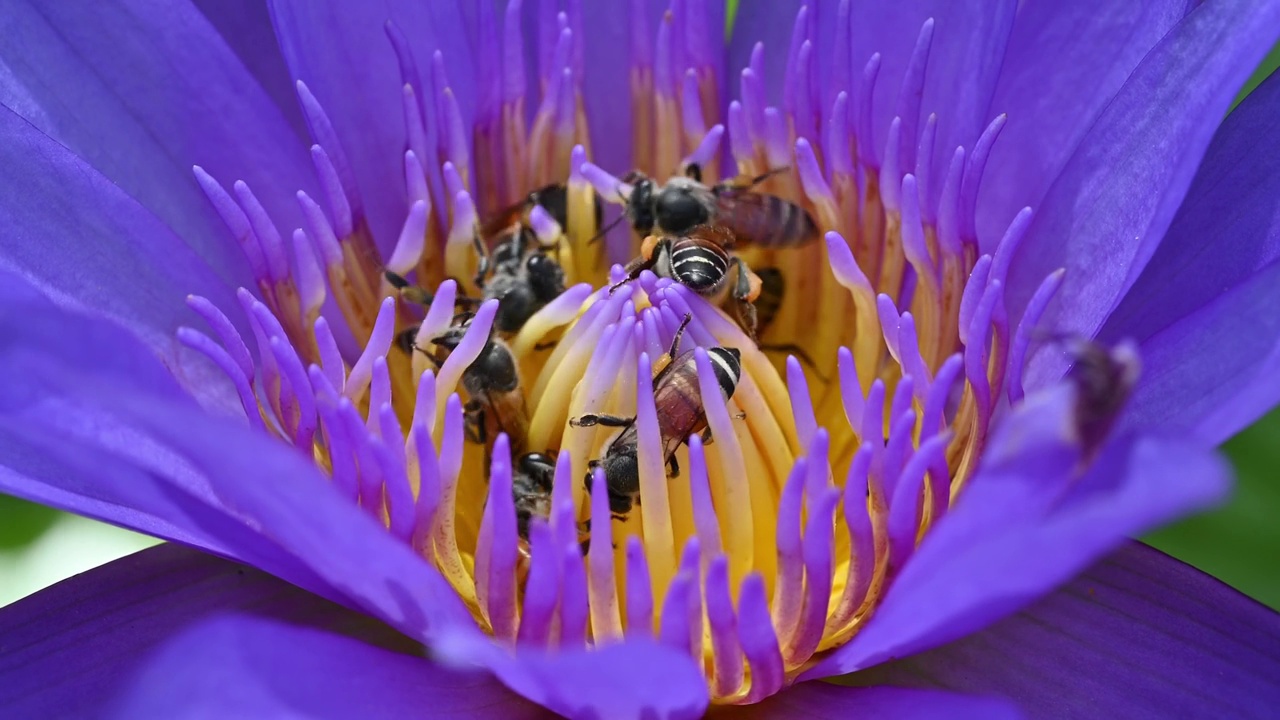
<point>546,277</point>
<point>677,207</point>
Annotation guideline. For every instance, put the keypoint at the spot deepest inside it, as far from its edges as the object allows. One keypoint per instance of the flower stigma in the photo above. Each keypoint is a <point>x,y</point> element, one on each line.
<point>592,450</point>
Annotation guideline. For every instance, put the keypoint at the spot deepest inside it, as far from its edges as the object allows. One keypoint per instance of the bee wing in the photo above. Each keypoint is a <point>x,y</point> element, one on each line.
<point>748,215</point>
<point>765,220</point>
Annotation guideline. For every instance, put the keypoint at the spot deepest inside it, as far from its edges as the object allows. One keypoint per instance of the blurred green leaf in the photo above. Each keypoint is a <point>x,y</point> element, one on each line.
<point>1240,542</point>
<point>22,522</point>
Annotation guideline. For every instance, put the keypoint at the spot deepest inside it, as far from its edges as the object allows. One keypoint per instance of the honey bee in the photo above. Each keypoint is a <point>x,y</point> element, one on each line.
<point>531,481</point>
<point>523,281</point>
<point>682,203</point>
<point>680,414</point>
<point>700,260</point>
<point>553,198</point>
<point>1104,379</point>
<point>495,400</point>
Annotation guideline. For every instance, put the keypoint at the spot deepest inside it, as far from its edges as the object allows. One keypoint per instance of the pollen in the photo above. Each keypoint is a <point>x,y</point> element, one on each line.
<point>589,448</point>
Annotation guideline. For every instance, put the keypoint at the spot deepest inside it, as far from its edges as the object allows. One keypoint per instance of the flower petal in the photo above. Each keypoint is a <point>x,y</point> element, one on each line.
<point>824,701</point>
<point>969,41</point>
<point>1109,209</point>
<point>1064,64</point>
<point>117,443</point>
<point>239,666</point>
<point>638,678</point>
<point>342,52</point>
<point>1027,523</point>
<point>1139,635</point>
<point>86,243</point>
<point>143,90</point>
<point>245,25</point>
<point>1205,307</point>
<point>68,647</point>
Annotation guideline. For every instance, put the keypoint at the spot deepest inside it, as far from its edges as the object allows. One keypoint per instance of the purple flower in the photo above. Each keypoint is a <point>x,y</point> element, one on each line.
<point>900,480</point>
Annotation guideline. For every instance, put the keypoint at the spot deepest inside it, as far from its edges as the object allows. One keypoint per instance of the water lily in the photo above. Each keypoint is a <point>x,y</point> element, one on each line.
<point>1045,289</point>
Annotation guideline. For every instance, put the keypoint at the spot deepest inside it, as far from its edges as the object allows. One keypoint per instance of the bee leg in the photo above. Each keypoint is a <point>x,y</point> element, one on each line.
<point>746,289</point>
<point>673,467</point>
<point>707,437</point>
<point>606,420</point>
<point>675,341</point>
<point>546,345</point>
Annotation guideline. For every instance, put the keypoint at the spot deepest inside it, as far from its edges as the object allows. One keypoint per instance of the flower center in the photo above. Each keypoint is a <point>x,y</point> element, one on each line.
<point>623,458</point>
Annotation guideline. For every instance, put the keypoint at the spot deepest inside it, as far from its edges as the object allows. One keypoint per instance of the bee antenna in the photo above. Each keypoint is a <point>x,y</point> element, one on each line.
<point>606,229</point>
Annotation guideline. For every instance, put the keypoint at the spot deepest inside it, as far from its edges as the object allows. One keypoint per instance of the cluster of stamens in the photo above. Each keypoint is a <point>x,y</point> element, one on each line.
<point>815,484</point>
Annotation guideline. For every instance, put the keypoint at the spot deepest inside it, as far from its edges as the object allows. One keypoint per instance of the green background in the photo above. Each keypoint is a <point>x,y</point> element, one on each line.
<point>1239,543</point>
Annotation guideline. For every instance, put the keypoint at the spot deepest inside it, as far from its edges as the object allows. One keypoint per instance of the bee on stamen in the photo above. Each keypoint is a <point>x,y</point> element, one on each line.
<point>681,203</point>
<point>681,413</point>
<point>700,261</point>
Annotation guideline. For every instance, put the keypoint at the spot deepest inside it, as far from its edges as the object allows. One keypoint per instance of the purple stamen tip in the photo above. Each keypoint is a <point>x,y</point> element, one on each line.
<point>709,148</point>
<point>815,185</point>
<point>610,188</point>
<point>408,249</point>
<point>544,226</point>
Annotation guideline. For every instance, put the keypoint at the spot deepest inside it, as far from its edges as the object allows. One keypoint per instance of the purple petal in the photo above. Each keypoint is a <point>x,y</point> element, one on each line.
<point>245,25</point>
<point>605,91</point>
<point>635,679</point>
<point>1065,61</point>
<point>1027,523</point>
<point>68,648</point>
<point>1216,370</point>
<point>241,666</point>
<point>143,90</point>
<point>76,235</point>
<point>342,52</point>
<point>107,437</point>
<point>1204,309</point>
<point>1140,635</point>
<point>769,23</point>
<point>823,701</point>
<point>1108,210</point>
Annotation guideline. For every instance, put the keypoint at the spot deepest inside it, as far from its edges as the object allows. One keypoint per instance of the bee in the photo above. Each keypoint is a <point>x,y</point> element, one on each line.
<point>769,302</point>
<point>495,400</point>
<point>682,203</point>
<point>680,414</point>
<point>531,482</point>
<point>523,281</point>
<point>1104,379</point>
<point>700,260</point>
<point>553,198</point>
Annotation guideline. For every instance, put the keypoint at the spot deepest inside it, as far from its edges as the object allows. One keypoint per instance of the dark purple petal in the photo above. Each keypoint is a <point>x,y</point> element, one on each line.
<point>1109,209</point>
<point>605,93</point>
<point>112,443</point>
<point>769,23</point>
<point>1205,309</point>
<point>824,701</point>
<point>245,25</point>
<point>342,52</point>
<point>76,235</point>
<point>1027,523</point>
<point>238,666</point>
<point>1140,635</point>
<point>1064,63</point>
<point>143,90</point>
<point>67,649</point>
<point>638,678</point>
